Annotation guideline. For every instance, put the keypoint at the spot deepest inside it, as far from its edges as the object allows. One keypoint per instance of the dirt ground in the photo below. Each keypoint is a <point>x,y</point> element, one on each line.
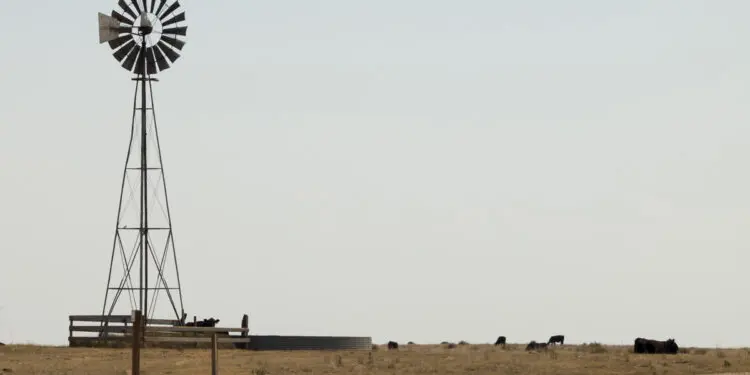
<point>412,359</point>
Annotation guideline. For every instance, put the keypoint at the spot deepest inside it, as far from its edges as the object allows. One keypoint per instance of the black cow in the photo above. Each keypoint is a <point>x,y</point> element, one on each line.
<point>648,346</point>
<point>500,341</point>
<point>533,345</point>
<point>639,346</point>
<point>211,322</point>
<point>392,345</point>
<point>556,338</point>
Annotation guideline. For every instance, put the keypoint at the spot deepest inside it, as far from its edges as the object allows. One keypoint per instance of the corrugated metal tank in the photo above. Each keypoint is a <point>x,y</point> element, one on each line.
<point>309,343</point>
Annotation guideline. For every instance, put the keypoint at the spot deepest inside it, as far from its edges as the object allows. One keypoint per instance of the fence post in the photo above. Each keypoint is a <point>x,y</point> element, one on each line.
<point>137,334</point>
<point>70,329</point>
<point>245,324</point>
<point>214,354</point>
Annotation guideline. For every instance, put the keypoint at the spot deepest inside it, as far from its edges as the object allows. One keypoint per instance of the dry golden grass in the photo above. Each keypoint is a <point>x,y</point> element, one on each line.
<point>409,359</point>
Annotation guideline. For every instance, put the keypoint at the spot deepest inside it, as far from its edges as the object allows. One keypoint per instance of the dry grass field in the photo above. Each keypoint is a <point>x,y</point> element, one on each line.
<point>414,359</point>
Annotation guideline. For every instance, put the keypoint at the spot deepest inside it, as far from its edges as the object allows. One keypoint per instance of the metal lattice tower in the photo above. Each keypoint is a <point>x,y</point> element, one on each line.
<point>144,37</point>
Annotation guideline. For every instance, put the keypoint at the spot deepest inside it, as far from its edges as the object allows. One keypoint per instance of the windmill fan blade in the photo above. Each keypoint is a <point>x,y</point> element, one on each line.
<point>150,61</point>
<point>153,3</point>
<point>171,54</point>
<point>161,5</point>
<point>160,59</point>
<point>176,43</point>
<point>137,7</point>
<point>178,18</point>
<point>127,9</point>
<point>169,10</point>
<point>130,59</point>
<point>139,61</point>
<point>122,52</point>
<point>182,30</point>
<point>119,41</point>
<point>122,18</point>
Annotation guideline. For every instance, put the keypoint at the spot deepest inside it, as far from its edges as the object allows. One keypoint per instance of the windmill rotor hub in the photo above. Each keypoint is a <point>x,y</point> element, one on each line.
<point>146,27</point>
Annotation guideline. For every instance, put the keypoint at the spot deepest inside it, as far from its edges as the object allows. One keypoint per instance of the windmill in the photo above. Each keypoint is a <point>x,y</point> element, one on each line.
<point>144,35</point>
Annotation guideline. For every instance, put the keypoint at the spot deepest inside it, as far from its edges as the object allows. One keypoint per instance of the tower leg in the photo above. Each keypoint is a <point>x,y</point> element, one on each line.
<point>144,185</point>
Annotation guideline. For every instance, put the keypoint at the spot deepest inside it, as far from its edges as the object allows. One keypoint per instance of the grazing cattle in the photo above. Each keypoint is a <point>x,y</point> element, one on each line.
<point>533,345</point>
<point>648,346</point>
<point>500,341</point>
<point>639,346</point>
<point>211,322</point>
<point>392,345</point>
<point>452,346</point>
<point>667,347</point>
<point>556,338</point>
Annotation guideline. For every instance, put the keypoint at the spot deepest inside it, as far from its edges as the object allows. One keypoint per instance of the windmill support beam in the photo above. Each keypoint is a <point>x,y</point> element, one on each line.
<point>144,182</point>
<point>143,134</point>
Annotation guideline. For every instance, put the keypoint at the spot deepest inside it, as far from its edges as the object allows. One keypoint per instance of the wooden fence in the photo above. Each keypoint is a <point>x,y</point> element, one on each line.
<point>132,331</point>
<point>118,330</point>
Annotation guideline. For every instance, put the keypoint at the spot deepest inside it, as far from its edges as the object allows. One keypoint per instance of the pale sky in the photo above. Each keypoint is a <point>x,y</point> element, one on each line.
<point>416,170</point>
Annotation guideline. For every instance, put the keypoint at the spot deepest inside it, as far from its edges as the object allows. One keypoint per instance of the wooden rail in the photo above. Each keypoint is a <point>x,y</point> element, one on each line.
<point>93,341</point>
<point>129,329</point>
<point>119,319</point>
